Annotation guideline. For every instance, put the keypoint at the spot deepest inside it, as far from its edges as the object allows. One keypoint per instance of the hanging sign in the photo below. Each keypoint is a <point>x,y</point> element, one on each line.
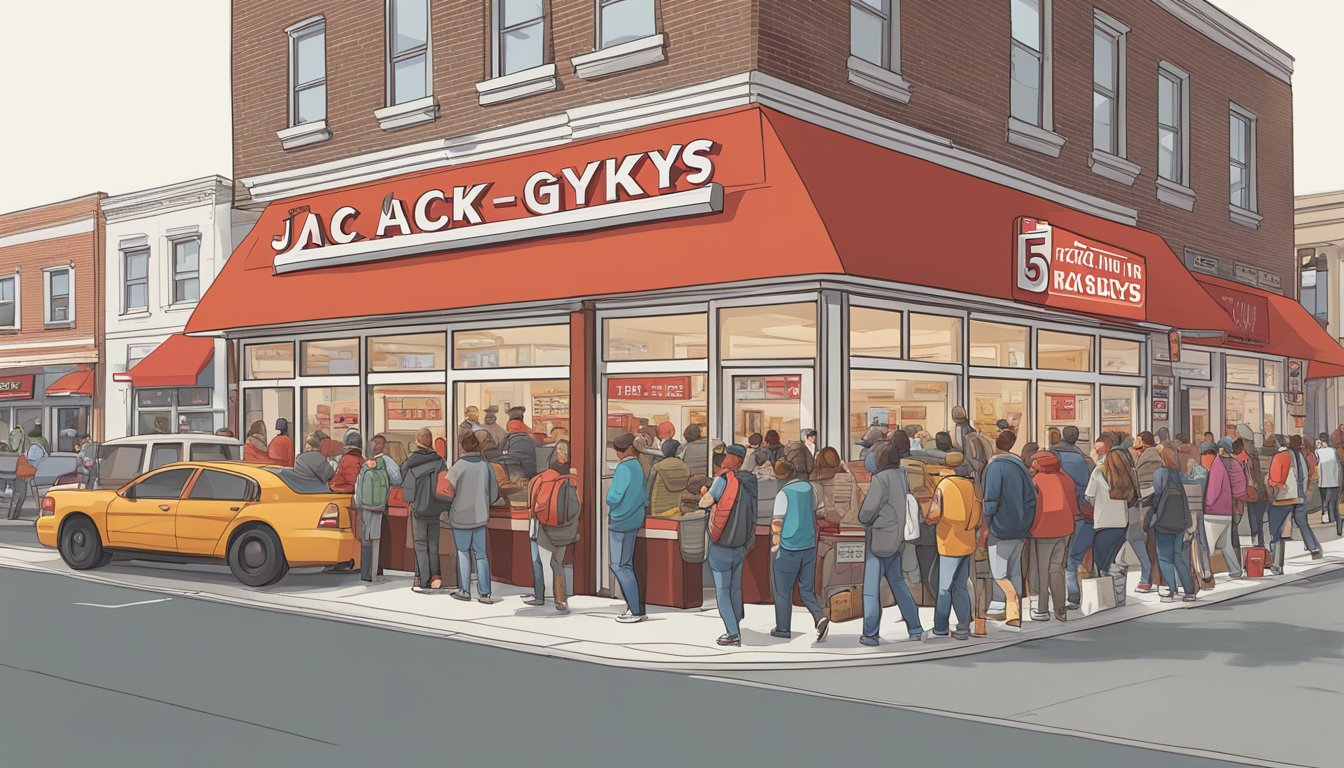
<point>16,387</point>
<point>1063,269</point>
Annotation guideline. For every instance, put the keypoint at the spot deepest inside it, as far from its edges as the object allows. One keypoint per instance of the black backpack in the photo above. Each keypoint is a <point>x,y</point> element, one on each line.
<point>1171,510</point>
<point>740,528</point>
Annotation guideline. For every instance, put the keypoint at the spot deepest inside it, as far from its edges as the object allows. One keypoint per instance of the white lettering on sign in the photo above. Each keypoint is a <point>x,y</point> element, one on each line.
<point>849,552</point>
<point>1060,268</point>
<point>10,386</point>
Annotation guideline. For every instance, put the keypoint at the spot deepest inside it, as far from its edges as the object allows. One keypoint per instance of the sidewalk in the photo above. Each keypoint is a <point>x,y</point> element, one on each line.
<point>670,640</point>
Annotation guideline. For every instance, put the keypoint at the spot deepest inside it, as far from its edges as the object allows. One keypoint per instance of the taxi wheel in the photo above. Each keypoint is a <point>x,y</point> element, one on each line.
<point>256,557</point>
<point>80,546</point>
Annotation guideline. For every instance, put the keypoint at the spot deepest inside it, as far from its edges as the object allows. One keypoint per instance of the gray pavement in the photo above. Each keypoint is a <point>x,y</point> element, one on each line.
<point>91,673</point>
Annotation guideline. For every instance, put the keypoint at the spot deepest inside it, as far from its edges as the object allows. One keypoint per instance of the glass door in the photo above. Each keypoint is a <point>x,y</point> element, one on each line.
<point>1198,418</point>
<point>760,401</point>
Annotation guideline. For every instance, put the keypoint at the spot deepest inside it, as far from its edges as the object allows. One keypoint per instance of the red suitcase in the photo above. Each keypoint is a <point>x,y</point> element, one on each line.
<point>1255,559</point>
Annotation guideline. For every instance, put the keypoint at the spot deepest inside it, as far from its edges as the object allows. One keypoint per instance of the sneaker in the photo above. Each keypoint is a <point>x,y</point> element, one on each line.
<point>631,618</point>
<point>961,634</point>
<point>915,637</point>
<point>488,600</point>
<point>733,641</point>
<point>562,607</point>
<point>1167,599</point>
<point>1189,599</point>
<point>781,634</point>
<point>1038,616</point>
<point>532,601</point>
<point>1073,605</point>
<point>419,590</point>
<point>823,626</point>
<point>939,635</point>
<point>1317,554</point>
<point>458,594</point>
<point>871,642</point>
<point>1144,589</point>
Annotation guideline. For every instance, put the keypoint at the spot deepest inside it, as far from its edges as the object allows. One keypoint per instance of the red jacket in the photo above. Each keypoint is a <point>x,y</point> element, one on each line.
<point>347,470</point>
<point>1056,498</point>
<point>281,451</point>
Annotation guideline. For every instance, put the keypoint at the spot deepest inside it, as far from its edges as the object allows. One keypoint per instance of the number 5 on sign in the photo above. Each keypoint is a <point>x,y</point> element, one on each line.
<point>1033,256</point>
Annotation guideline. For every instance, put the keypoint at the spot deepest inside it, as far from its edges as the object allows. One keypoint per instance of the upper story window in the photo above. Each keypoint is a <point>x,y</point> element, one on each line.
<point>308,72</point>
<point>60,291</point>
<point>1027,96</point>
<point>870,32</point>
<point>9,301</point>
<point>1172,117</point>
<point>1241,154</point>
<point>408,50</point>
<point>520,35</point>
<point>135,279</point>
<point>1315,292</point>
<point>186,270</point>
<point>1108,84</point>
<point>620,21</point>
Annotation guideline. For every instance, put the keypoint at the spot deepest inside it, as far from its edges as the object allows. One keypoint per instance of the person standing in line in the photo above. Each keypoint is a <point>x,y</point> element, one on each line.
<point>280,451</point>
<point>1111,489</point>
<point>1288,476</point>
<point>471,421</point>
<point>726,558</point>
<point>418,475</point>
<point>375,480</point>
<point>255,450</point>
<point>311,469</point>
<point>1327,465</point>
<point>1145,467</point>
<point>961,427</point>
<point>491,426</point>
<point>793,558</point>
<point>1257,494</point>
<point>1056,508</point>
<point>627,506</point>
<point>956,514</point>
<point>1225,485</point>
<point>474,488</point>
<point>695,451</point>
<point>343,481</point>
<point>1169,518</point>
<point>801,454</point>
<point>545,494</point>
<point>883,515</point>
<point>1074,463</point>
<point>1009,511</point>
<point>667,481</point>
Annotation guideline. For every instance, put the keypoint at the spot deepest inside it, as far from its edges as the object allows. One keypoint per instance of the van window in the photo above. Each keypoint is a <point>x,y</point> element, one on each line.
<point>216,452</point>
<point>164,453</point>
<point>119,464</point>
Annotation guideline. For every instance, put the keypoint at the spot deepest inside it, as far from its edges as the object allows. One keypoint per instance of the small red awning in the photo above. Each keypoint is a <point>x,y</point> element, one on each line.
<point>177,362</point>
<point>77,383</point>
<point>1285,329</point>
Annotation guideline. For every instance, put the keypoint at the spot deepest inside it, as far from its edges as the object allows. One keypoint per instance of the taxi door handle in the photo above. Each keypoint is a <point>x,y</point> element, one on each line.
<point>164,507</point>
<point>234,509</point>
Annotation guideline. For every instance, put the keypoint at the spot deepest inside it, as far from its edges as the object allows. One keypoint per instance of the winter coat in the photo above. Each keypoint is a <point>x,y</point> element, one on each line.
<point>883,512</point>
<point>1327,462</point>
<point>795,508</point>
<point>347,472</point>
<point>1144,468</point>
<point>627,503</point>
<point>836,495</point>
<point>311,472</point>
<point>521,452</point>
<point>1010,499</point>
<point>1286,479</point>
<point>696,455</point>
<point>1107,512</point>
<point>1073,463</point>
<point>393,480</point>
<point>427,464</point>
<point>474,488</point>
<point>1056,498</point>
<point>1169,509</point>
<point>281,451</point>
<point>960,516</point>
<point>254,451</point>
<point>669,480</point>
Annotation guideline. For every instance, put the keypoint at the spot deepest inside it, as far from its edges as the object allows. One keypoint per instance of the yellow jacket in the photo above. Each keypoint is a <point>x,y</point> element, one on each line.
<point>957,513</point>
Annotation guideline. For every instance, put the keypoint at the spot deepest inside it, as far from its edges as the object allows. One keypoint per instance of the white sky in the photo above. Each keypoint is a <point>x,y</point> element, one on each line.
<point>136,93</point>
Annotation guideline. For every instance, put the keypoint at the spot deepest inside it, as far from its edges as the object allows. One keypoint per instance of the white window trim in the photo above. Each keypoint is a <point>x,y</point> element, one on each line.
<point>597,24</point>
<point>173,242</point>
<point>884,80</point>
<point>1028,136</point>
<point>315,131</point>
<point>18,307</point>
<point>632,54</point>
<point>1247,217</point>
<point>415,111</point>
<point>1047,73</point>
<point>46,293</point>
<point>1170,192</point>
<point>497,48</point>
<point>126,252</point>
<point>407,113</point>
<point>517,85</point>
<point>1116,165</point>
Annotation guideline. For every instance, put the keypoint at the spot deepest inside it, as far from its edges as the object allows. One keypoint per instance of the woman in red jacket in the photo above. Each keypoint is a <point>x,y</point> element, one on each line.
<point>1056,507</point>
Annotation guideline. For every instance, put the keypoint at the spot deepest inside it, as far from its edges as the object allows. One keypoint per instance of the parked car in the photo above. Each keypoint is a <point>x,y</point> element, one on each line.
<point>249,516</point>
<point>118,461</point>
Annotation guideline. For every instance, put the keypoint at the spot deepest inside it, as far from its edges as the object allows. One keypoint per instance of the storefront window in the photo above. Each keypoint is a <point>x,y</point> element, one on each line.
<point>1242,370</point>
<point>330,357</point>
<point>268,361</point>
<point>1272,402</point>
<point>1119,407</point>
<point>545,404</point>
<point>333,410</point>
<point>646,402</point>
<point>1120,356</point>
<point>768,332</point>
<point>1273,375</point>
<point>995,345</point>
<point>666,337</point>
<point>512,347</point>
<point>765,403</point>
<point>262,407</point>
<point>994,399</point>
<point>1196,365</point>
<point>1063,351</point>
<point>1244,412</point>
<point>935,339</point>
<point>874,332</point>
<point>402,410</point>
<point>1061,405</point>
<point>890,400</point>
<point>410,352</point>
<point>181,410</point>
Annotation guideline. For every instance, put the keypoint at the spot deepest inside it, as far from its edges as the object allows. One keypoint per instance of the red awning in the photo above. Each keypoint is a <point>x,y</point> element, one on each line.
<point>177,362</point>
<point>77,383</point>
<point>798,200</point>
<point>1286,328</point>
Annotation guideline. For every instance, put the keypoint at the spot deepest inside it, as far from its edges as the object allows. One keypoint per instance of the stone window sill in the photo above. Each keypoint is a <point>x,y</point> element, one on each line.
<point>303,135</point>
<point>620,58</point>
<point>410,113</point>
<point>879,80</point>
<point>1174,194</point>
<point>1244,217</point>
<point>517,85</point>
<point>1035,138</point>
<point>134,314</point>
<point>1113,167</point>
<point>183,306</point>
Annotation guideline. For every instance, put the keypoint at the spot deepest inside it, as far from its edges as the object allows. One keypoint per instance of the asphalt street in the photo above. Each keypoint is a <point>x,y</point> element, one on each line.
<point>96,674</point>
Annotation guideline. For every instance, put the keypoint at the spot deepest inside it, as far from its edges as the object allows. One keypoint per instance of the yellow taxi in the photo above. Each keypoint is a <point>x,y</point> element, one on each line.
<point>261,520</point>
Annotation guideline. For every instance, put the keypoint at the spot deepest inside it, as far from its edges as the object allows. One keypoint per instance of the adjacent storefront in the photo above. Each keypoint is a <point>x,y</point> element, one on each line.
<point>176,386</point>
<point>55,402</point>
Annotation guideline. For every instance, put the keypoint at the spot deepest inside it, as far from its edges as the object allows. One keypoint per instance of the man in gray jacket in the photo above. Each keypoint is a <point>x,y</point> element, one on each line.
<point>311,472</point>
<point>883,515</point>
<point>474,488</point>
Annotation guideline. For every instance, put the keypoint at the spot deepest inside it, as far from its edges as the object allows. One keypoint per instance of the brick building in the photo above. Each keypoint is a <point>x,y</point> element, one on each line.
<point>752,216</point>
<point>51,303</point>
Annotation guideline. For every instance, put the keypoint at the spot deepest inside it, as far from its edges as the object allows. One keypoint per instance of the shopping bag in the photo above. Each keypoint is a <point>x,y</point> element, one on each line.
<point>1096,595</point>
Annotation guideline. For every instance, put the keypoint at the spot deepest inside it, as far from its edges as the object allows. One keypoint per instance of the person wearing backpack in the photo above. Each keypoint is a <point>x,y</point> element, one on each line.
<point>1168,518</point>
<point>1056,508</point>
<point>883,514</point>
<point>627,506</point>
<point>801,454</point>
<point>793,559</point>
<point>471,488</point>
<point>553,497</point>
<point>1327,464</point>
<point>667,480</point>
<point>956,515</point>
<point>731,499</point>
<point>418,474</point>
<point>1010,510</point>
<point>372,486</point>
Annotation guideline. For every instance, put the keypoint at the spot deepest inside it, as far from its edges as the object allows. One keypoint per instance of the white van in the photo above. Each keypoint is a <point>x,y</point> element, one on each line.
<point>121,460</point>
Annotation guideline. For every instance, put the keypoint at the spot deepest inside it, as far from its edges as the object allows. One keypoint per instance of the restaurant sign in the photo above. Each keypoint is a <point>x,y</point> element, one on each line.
<point>16,387</point>
<point>1063,269</point>
<point>1250,313</point>
<point>661,388</point>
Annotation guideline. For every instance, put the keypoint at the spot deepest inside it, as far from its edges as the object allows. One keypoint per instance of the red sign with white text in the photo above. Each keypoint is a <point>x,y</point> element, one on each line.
<point>661,388</point>
<point>1063,269</point>
<point>16,387</point>
<point>1063,407</point>
<point>1250,313</point>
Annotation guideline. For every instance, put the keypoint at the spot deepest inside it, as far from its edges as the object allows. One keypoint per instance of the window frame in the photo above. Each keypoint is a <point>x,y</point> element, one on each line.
<point>1045,118</point>
<point>133,485</point>
<point>175,276</point>
<point>1238,112</point>
<point>1029,353</point>
<point>126,282</point>
<point>600,6</point>
<point>393,57</point>
<point>890,17</point>
<point>1107,25</point>
<point>499,30</point>
<point>297,32</point>
<point>1181,80</point>
<point>253,488</point>
<point>47,275</point>
<point>18,309</point>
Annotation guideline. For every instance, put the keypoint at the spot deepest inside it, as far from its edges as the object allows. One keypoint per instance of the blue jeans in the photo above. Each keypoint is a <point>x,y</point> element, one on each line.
<point>557,573</point>
<point>1135,537</point>
<point>472,541</point>
<point>1330,502</point>
<point>1278,514</point>
<point>875,569</point>
<point>1174,568</point>
<point>726,565</point>
<point>1083,533</point>
<point>952,594</point>
<point>789,567</point>
<point>623,567</point>
<point>1303,521</point>
<point>1255,512</point>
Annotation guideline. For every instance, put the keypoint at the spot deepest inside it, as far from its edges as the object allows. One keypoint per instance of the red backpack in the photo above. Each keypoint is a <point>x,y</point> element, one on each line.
<point>555,500</point>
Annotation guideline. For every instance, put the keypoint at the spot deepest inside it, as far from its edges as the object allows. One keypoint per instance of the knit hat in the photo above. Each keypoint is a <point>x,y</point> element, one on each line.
<point>623,442</point>
<point>1207,448</point>
<point>667,430</point>
<point>1225,445</point>
<point>736,450</point>
<point>670,448</point>
<point>352,439</point>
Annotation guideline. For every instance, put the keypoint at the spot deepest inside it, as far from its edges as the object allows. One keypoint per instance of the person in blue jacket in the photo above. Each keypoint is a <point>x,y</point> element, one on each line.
<point>1010,509</point>
<point>627,505</point>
